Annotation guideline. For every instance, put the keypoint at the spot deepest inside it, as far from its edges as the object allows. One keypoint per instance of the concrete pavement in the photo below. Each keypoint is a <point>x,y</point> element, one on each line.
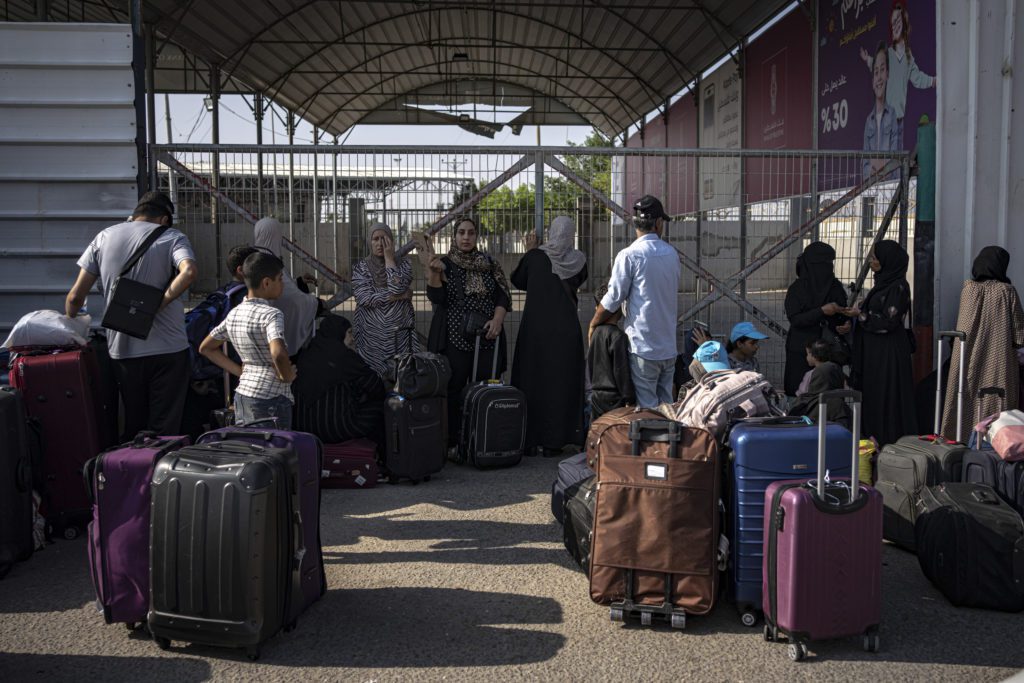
<point>465,578</point>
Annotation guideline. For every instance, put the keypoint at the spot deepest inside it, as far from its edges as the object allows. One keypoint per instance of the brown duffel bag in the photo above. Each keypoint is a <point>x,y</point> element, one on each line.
<point>656,519</point>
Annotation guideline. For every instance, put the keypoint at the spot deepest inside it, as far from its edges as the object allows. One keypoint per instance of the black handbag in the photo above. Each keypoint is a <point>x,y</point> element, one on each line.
<point>133,305</point>
<point>418,375</point>
<point>472,323</point>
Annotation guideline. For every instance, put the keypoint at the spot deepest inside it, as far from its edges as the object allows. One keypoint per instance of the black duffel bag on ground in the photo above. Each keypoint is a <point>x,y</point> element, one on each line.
<point>970,544</point>
<point>418,375</point>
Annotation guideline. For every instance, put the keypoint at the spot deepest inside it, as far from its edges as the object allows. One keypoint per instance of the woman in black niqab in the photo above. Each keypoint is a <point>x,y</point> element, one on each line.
<point>808,308</point>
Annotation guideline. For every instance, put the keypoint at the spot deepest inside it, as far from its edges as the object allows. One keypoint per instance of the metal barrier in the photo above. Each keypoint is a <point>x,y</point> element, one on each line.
<point>740,217</point>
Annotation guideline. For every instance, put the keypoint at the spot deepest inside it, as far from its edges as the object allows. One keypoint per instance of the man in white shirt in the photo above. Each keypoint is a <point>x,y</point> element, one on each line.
<point>645,277</point>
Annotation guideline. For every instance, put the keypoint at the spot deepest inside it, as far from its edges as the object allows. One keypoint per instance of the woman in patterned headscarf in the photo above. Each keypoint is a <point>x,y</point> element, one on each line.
<point>991,315</point>
<point>549,364</point>
<point>382,286</point>
<point>469,293</point>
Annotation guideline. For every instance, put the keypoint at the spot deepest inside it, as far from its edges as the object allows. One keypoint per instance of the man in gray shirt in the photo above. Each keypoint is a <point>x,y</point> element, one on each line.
<point>151,373</point>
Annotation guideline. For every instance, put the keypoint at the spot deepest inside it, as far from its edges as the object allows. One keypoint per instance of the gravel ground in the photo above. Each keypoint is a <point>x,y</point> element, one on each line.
<point>465,578</point>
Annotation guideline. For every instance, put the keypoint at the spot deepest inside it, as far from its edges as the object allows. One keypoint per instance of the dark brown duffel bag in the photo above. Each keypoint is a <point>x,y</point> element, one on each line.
<point>656,522</point>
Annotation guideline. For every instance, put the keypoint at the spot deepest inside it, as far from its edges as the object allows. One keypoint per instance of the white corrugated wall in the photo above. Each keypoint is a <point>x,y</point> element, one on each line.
<point>67,155</point>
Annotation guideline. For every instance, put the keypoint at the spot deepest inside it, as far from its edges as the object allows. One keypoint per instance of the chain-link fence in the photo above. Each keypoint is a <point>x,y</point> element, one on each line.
<point>740,218</point>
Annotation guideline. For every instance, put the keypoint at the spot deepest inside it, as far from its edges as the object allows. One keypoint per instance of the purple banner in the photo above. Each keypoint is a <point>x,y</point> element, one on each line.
<point>876,73</point>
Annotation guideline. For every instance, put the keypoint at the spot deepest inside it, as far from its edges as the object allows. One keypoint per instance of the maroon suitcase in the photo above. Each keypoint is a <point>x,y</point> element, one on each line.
<point>62,391</point>
<point>823,554</point>
<point>350,465</point>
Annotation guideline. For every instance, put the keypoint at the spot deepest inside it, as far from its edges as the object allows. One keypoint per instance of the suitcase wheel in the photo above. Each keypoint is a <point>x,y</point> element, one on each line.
<point>252,652</point>
<point>70,533</point>
<point>162,643</point>
<point>749,618</point>
<point>871,641</point>
<point>678,620</point>
<point>132,625</point>
<point>646,618</point>
<point>617,614</point>
<point>797,651</point>
<point>767,634</point>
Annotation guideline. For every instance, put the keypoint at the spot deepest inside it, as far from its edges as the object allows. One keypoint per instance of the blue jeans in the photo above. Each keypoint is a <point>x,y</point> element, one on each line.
<point>249,409</point>
<point>652,380</point>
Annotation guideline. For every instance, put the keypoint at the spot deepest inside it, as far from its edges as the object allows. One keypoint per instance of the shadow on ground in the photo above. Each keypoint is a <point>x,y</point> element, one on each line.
<point>51,668</point>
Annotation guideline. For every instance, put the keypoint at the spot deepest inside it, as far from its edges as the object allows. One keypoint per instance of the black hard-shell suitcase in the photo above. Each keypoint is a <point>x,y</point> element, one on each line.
<point>1006,478</point>
<point>578,522</point>
<point>416,437</point>
<point>493,420</point>
<point>16,543</point>
<point>906,467</point>
<point>970,544</point>
<point>571,472</point>
<point>225,548</point>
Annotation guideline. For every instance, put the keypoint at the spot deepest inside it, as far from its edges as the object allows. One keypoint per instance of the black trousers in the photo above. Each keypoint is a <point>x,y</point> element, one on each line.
<point>461,363</point>
<point>153,389</point>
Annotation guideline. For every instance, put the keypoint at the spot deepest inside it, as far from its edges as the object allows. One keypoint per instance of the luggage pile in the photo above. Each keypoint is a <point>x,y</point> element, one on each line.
<point>643,513</point>
<point>215,543</point>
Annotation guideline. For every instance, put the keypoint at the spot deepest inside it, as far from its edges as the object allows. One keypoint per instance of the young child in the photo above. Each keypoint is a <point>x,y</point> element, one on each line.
<point>608,366</point>
<point>256,330</point>
<point>818,351</point>
<point>744,341</point>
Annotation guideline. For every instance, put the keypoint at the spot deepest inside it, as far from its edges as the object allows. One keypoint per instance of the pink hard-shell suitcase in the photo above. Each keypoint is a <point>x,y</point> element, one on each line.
<point>823,554</point>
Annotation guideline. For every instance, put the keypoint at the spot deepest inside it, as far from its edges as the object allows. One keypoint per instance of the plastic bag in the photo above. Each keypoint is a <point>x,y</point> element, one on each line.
<point>49,328</point>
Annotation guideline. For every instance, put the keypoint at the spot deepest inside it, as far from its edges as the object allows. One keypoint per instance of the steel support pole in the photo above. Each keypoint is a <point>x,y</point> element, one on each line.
<point>538,195</point>
<point>172,185</point>
<point>334,202</point>
<point>316,199</point>
<point>904,200</point>
<point>816,235</point>
<point>291,185</point>
<point>215,136</point>
<point>257,110</point>
<point>139,78</point>
<point>151,103</point>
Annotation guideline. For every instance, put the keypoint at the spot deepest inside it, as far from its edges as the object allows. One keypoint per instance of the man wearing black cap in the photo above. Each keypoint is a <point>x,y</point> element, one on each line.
<point>645,278</point>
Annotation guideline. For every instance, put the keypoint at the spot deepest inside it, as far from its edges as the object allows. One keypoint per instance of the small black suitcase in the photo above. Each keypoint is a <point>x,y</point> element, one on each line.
<point>16,542</point>
<point>1006,478</point>
<point>493,420</point>
<point>578,524</point>
<point>970,544</point>
<point>225,553</point>
<point>416,437</point>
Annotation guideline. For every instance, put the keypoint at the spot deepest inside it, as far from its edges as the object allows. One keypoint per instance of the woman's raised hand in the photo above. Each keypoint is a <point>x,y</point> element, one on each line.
<point>530,240</point>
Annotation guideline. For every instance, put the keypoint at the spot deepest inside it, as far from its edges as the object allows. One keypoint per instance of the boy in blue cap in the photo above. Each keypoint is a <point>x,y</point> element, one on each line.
<point>712,357</point>
<point>744,341</point>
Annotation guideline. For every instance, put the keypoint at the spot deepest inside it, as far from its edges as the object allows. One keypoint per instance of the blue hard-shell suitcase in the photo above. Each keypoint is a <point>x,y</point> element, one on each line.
<point>765,450</point>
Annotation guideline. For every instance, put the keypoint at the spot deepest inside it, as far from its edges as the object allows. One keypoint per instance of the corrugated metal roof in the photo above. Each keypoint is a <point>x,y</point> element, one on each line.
<point>337,64</point>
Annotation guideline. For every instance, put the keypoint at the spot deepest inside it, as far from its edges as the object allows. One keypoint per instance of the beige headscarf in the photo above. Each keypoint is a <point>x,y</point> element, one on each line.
<point>560,246</point>
<point>299,308</point>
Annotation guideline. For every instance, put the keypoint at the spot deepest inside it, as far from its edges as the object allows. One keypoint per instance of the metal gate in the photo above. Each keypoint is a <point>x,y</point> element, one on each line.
<point>740,217</point>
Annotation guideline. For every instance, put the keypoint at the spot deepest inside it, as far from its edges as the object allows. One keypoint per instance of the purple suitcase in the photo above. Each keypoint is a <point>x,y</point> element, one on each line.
<point>823,555</point>
<point>310,453</point>
<point>118,484</point>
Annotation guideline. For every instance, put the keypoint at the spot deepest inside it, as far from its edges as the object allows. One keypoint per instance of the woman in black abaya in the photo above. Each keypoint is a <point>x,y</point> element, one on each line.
<point>815,301</point>
<point>881,348</point>
<point>549,364</point>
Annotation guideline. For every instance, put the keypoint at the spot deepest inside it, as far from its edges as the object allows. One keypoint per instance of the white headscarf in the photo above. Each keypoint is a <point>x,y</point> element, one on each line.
<point>560,246</point>
<point>299,308</point>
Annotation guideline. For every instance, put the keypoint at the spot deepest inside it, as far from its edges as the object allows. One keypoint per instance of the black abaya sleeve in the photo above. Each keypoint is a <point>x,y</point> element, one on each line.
<point>799,310</point>
<point>520,277</point>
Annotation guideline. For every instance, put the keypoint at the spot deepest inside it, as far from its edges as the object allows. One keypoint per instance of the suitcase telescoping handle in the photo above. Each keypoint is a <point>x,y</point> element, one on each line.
<point>665,431</point>
<point>823,398</point>
<point>988,391</point>
<point>476,355</point>
<point>951,335</point>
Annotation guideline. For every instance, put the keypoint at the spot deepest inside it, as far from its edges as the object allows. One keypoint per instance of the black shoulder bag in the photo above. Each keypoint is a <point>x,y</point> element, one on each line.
<point>133,305</point>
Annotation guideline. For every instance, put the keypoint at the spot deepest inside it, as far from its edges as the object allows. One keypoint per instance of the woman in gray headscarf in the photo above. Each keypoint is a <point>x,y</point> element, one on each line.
<point>548,365</point>
<point>383,290</point>
<point>299,309</point>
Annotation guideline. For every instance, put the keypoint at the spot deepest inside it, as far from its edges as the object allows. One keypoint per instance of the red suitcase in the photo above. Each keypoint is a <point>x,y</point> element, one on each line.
<point>62,391</point>
<point>350,465</point>
<point>823,555</point>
